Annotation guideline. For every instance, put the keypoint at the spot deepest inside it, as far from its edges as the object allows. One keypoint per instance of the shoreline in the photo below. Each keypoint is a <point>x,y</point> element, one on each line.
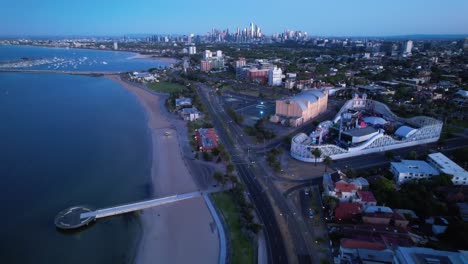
<point>136,55</point>
<point>168,234</point>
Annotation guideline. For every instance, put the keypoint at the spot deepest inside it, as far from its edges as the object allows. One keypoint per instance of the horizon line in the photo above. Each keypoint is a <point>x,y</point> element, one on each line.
<point>136,35</point>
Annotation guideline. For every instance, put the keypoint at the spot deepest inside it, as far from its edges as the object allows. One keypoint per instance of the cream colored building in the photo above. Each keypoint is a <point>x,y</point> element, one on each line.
<point>301,108</point>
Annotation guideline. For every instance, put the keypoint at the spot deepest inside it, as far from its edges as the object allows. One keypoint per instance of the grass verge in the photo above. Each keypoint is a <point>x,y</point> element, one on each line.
<point>166,87</point>
<point>242,247</point>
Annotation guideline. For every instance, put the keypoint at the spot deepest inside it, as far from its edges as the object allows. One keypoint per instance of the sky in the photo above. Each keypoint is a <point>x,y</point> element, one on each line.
<point>316,17</point>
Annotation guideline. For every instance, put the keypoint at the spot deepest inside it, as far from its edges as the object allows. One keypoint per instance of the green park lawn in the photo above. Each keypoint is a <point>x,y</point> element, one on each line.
<point>166,87</point>
<point>242,247</point>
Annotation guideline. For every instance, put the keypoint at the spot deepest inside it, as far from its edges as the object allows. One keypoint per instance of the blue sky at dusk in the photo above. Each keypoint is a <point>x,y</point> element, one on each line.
<point>317,17</point>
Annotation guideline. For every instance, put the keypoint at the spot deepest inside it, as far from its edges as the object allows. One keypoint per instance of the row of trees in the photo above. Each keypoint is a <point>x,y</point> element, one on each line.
<point>317,153</point>
<point>272,158</point>
<point>259,131</point>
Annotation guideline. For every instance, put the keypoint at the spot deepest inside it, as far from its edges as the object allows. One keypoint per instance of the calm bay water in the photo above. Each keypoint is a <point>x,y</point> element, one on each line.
<point>62,59</point>
<point>69,140</point>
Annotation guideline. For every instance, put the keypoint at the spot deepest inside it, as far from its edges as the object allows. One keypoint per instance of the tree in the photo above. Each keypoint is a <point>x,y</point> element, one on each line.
<point>327,160</point>
<point>389,154</point>
<point>412,155</point>
<point>331,202</point>
<point>316,152</point>
<point>218,176</point>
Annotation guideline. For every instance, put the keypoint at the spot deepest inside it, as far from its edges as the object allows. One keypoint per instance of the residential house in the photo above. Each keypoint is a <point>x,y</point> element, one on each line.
<point>347,211</point>
<point>362,251</point>
<point>366,198</point>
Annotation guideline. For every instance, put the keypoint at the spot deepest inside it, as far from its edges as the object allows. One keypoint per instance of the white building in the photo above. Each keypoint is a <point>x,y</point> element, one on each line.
<point>207,54</point>
<point>116,46</point>
<point>192,50</point>
<point>411,170</point>
<point>190,114</point>
<point>275,76</point>
<point>447,166</point>
<point>410,255</point>
<point>219,53</point>
<point>408,47</point>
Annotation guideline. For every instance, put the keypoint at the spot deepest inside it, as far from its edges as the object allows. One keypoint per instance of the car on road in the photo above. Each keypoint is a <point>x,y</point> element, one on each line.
<point>311,213</point>
<point>306,191</point>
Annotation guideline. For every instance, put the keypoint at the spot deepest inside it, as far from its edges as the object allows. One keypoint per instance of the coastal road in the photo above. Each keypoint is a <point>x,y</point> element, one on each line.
<point>258,193</point>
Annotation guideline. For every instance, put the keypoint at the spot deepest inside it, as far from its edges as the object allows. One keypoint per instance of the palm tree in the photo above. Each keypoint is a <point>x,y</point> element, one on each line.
<point>327,160</point>
<point>316,153</point>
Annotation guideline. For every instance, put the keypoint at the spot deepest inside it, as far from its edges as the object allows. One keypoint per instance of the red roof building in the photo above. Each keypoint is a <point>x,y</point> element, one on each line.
<point>342,186</point>
<point>361,244</point>
<point>207,139</point>
<point>366,198</point>
<point>346,211</point>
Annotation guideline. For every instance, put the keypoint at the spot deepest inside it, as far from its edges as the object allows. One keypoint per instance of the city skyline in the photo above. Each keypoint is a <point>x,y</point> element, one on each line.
<point>337,18</point>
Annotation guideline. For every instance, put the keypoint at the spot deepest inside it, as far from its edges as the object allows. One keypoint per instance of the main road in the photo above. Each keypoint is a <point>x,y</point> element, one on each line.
<point>258,193</point>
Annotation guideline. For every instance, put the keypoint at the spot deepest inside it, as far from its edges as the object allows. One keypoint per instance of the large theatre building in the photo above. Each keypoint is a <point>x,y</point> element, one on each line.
<point>301,108</point>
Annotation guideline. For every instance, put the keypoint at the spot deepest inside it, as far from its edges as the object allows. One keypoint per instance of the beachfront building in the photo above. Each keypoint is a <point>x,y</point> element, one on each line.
<point>447,166</point>
<point>183,102</point>
<point>364,126</point>
<point>207,139</point>
<point>407,170</point>
<point>301,108</point>
<point>190,114</point>
<point>143,77</point>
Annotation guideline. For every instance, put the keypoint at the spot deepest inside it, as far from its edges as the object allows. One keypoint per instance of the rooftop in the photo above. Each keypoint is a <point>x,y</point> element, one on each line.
<point>343,186</point>
<point>347,210</point>
<point>359,132</point>
<point>414,166</point>
<point>378,209</point>
<point>405,131</point>
<point>361,244</point>
<point>307,96</point>
<point>366,196</point>
<point>447,165</point>
<point>421,255</point>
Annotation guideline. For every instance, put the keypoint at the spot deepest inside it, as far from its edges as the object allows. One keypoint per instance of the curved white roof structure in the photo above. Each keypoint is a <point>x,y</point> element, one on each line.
<point>405,131</point>
<point>307,96</point>
<point>374,120</point>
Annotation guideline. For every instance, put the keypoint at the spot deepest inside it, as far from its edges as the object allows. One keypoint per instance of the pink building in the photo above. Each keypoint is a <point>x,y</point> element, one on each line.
<point>206,65</point>
<point>300,108</point>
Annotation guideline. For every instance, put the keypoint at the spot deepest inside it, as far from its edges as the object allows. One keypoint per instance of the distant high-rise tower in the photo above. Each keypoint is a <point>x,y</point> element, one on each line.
<point>408,47</point>
<point>116,46</point>
<point>251,30</point>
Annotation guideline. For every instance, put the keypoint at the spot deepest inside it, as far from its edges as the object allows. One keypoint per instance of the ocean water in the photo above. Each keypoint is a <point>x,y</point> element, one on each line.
<point>62,59</point>
<point>69,140</point>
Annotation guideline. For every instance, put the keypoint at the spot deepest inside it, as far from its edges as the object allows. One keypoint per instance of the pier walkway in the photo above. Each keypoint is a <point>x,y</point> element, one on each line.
<point>78,216</point>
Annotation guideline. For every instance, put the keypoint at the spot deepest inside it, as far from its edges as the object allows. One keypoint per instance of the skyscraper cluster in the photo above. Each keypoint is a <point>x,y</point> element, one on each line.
<point>247,34</point>
<point>290,35</point>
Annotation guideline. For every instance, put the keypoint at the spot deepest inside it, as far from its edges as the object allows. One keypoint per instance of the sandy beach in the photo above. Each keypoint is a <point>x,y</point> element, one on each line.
<point>182,232</point>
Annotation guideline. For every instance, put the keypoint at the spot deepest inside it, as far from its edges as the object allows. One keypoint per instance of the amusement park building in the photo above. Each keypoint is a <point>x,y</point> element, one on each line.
<point>361,140</point>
